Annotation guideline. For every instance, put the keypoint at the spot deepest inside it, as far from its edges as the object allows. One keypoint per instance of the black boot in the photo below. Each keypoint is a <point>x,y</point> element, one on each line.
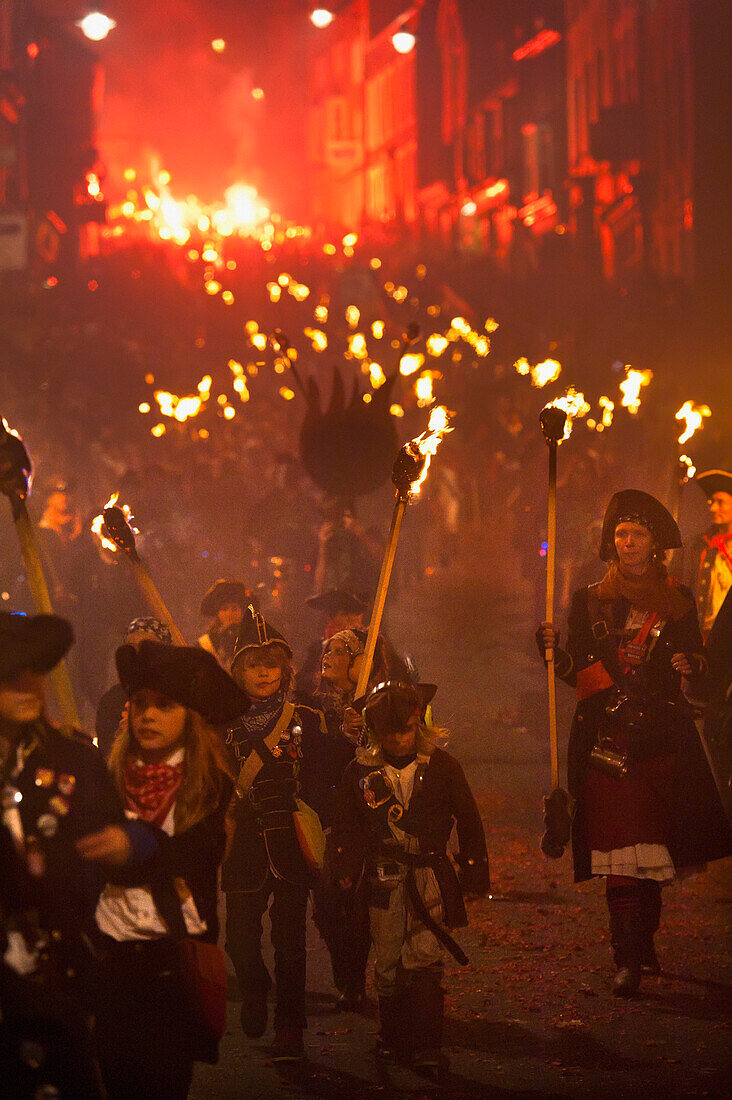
<point>390,1042</point>
<point>253,1013</point>
<point>626,936</point>
<point>425,1016</point>
<point>650,920</point>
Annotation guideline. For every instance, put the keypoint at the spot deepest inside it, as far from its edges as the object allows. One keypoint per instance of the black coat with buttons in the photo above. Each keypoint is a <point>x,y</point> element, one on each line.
<point>441,799</point>
<point>65,793</point>
<point>700,831</point>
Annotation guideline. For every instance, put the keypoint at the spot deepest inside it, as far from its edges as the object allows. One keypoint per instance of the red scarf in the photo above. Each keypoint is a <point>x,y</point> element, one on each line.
<point>719,543</point>
<point>151,789</point>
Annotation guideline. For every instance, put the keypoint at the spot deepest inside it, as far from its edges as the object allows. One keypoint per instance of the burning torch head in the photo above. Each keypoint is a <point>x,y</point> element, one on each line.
<point>553,421</point>
<point>116,528</point>
<point>16,468</point>
<point>407,468</point>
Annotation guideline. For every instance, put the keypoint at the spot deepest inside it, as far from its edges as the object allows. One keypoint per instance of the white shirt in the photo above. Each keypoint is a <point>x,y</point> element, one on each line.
<point>129,912</point>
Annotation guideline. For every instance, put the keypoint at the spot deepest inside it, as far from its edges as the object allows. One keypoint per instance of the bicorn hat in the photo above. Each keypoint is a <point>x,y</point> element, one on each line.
<point>635,506</point>
<point>190,676</point>
<point>34,643</point>
<point>336,601</point>
<point>223,592</point>
<point>714,481</point>
<point>256,633</point>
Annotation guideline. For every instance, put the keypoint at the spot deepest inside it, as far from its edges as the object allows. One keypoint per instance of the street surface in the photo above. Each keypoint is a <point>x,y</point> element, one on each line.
<point>532,1015</point>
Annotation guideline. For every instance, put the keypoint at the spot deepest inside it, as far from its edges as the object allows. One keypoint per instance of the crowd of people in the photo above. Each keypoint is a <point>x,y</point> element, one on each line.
<point>218,760</point>
<point>246,765</point>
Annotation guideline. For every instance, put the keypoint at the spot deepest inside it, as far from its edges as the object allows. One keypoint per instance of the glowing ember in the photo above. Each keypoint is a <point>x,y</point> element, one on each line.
<point>377,375</point>
<point>544,373</point>
<point>377,330</point>
<point>686,464</point>
<point>522,365</point>
<point>437,343</point>
<point>424,391</point>
<point>429,441</point>
<point>410,363</point>
<point>318,338</point>
<point>607,407</point>
<point>694,417</point>
<point>631,387</point>
<point>353,314</point>
<point>396,410</point>
<point>357,345</point>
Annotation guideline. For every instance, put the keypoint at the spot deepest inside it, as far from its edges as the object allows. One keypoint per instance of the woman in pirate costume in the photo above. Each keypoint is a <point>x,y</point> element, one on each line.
<point>282,760</point>
<point>647,805</point>
<point>398,802</point>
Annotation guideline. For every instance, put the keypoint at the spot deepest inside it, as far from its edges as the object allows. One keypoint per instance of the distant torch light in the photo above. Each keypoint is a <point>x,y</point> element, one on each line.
<point>321,18</point>
<point>218,45</point>
<point>403,41</point>
<point>96,26</point>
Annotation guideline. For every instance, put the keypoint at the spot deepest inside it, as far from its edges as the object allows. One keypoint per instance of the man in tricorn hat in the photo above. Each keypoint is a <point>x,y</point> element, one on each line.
<point>646,802</point>
<point>712,557</point>
<point>282,758</point>
<point>225,605</point>
<point>398,802</point>
<point>55,790</point>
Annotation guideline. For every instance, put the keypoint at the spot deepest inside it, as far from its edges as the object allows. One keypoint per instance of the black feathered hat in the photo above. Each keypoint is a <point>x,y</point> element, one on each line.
<point>635,506</point>
<point>390,705</point>
<point>223,592</point>
<point>256,633</point>
<point>714,481</point>
<point>189,676</point>
<point>33,643</point>
<point>336,601</point>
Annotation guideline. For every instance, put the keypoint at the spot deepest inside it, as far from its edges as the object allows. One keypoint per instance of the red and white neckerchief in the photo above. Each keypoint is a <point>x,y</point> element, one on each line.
<point>151,789</point>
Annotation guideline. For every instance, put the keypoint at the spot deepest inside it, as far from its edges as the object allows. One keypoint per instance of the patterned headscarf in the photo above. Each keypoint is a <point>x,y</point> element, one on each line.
<point>150,625</point>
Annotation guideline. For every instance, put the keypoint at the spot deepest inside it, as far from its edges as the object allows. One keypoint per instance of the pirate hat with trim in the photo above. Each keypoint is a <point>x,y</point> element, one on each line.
<point>390,705</point>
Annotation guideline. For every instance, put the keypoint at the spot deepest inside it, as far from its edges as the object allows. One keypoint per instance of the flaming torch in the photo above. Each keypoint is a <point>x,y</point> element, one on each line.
<point>556,425</point>
<point>409,474</point>
<point>115,531</point>
<point>16,475</point>
<point>693,417</point>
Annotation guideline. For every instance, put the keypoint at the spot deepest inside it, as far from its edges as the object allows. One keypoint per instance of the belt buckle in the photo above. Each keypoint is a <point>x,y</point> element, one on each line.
<point>600,631</point>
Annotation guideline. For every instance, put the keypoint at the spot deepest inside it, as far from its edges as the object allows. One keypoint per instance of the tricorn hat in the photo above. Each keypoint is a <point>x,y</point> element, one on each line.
<point>635,506</point>
<point>223,592</point>
<point>389,706</point>
<point>714,481</point>
<point>336,601</point>
<point>190,676</point>
<point>33,643</point>
<point>256,633</point>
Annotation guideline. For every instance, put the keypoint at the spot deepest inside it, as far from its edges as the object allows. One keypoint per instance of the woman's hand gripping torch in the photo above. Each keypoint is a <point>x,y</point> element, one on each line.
<point>409,473</point>
<point>16,475</point>
<point>115,531</point>
<point>555,421</point>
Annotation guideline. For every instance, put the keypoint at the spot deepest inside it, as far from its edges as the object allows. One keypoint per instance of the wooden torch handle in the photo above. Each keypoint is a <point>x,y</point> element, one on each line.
<point>155,600</point>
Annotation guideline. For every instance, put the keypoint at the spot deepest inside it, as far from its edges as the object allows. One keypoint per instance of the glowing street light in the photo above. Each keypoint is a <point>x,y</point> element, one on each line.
<point>96,26</point>
<point>403,41</point>
<point>321,18</point>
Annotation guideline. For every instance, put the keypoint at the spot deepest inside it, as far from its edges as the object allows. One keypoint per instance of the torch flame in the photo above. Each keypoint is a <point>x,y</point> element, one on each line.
<point>428,442</point>
<point>631,387</point>
<point>686,467</point>
<point>694,417</point>
<point>573,404</point>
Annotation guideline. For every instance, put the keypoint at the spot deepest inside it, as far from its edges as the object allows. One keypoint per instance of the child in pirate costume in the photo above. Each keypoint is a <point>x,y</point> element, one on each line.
<point>398,802</point>
<point>646,800</point>
<point>282,761</point>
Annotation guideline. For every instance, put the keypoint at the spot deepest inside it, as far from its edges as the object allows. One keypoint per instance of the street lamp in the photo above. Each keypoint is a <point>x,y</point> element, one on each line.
<point>96,26</point>
<point>321,18</point>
